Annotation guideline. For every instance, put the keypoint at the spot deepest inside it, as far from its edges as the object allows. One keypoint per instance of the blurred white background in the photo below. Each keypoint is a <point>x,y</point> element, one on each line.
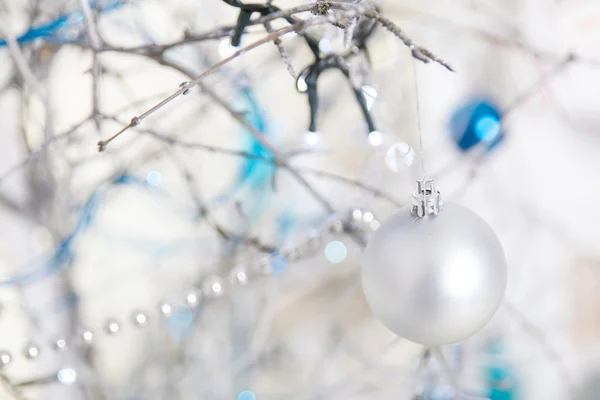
<point>308,333</point>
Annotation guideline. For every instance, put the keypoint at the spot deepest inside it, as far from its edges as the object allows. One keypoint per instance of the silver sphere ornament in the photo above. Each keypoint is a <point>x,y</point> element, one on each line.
<point>434,276</point>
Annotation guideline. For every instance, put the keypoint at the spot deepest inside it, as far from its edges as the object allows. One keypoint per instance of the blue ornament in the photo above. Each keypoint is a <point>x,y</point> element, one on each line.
<point>278,263</point>
<point>476,122</point>
<point>55,31</point>
<point>500,377</point>
<point>181,322</point>
<point>246,395</point>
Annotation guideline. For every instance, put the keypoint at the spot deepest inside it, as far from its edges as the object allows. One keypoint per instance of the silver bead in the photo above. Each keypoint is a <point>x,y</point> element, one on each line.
<point>435,279</point>
<point>335,225</point>
<point>87,335</point>
<point>31,350</point>
<point>212,286</point>
<point>368,217</point>
<point>374,225</point>
<point>59,344</point>
<point>193,297</point>
<point>357,214</point>
<point>112,327</point>
<point>165,309</point>
<point>140,319</point>
<point>5,358</point>
<point>185,85</point>
<point>239,275</point>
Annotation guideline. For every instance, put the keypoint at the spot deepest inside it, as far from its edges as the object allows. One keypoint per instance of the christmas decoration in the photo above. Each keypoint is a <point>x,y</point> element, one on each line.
<point>434,275</point>
<point>213,250</point>
<point>474,123</point>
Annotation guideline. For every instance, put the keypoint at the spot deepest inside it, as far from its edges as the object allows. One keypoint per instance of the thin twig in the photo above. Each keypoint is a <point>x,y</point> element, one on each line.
<point>35,154</point>
<point>90,25</point>
<point>11,388</point>
<point>454,381</point>
<point>540,83</point>
<point>376,192</point>
<point>95,44</point>
<point>135,121</point>
<point>541,338</point>
<point>18,57</point>
<point>171,140</point>
<point>282,51</point>
<point>418,52</point>
<point>349,32</point>
<point>204,212</point>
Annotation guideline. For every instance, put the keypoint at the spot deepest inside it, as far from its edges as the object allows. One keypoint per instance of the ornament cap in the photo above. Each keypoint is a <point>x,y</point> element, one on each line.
<point>426,200</point>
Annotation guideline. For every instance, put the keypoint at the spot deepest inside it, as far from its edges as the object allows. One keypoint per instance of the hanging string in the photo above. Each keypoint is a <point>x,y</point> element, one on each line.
<point>418,118</point>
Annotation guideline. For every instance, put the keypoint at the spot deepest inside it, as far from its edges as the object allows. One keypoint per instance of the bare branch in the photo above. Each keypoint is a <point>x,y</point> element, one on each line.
<point>90,25</point>
<point>34,154</point>
<point>282,51</point>
<point>418,52</point>
<point>376,192</point>
<point>184,88</point>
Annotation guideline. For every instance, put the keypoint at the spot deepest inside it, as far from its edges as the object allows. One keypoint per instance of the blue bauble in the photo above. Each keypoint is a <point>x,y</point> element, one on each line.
<point>477,121</point>
<point>246,395</point>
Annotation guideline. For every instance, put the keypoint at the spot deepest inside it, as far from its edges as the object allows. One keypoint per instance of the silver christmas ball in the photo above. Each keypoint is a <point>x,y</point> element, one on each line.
<point>434,279</point>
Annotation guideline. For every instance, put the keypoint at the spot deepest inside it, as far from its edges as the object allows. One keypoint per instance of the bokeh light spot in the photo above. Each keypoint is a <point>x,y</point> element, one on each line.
<point>226,49</point>
<point>336,252</point>
<point>154,178</point>
<point>375,138</point>
<point>399,156</point>
<point>301,84</point>
<point>487,128</point>
<point>325,45</point>
<point>312,138</point>
<point>67,376</point>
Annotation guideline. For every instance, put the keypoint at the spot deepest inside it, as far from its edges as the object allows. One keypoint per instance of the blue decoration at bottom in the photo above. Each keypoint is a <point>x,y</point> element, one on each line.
<point>478,121</point>
<point>500,377</point>
<point>246,395</point>
<point>278,263</point>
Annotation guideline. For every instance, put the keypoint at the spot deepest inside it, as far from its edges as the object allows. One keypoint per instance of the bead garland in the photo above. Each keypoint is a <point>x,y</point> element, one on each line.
<point>211,287</point>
